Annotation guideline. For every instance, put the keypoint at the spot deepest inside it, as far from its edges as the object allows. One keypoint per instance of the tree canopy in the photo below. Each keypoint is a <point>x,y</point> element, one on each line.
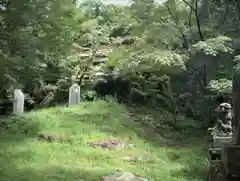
<point>163,50</point>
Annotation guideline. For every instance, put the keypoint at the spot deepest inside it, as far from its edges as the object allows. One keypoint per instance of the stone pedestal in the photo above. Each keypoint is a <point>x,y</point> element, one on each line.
<point>219,141</point>
<point>215,172</point>
<point>231,160</point>
<point>216,146</point>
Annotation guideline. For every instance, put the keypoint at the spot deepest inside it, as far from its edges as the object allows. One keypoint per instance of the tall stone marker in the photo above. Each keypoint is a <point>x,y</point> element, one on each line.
<point>74,95</point>
<point>18,102</point>
<point>236,98</point>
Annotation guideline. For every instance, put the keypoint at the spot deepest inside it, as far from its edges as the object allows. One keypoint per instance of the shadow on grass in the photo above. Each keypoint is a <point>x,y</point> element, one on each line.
<point>193,163</point>
<point>14,130</point>
<point>195,170</point>
<point>18,128</point>
<point>11,173</point>
<point>15,134</point>
<point>153,127</point>
<point>160,122</point>
<point>192,172</point>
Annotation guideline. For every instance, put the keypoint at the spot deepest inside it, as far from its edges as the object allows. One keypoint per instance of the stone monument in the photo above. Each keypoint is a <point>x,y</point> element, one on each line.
<point>18,102</point>
<point>224,119</point>
<point>74,95</point>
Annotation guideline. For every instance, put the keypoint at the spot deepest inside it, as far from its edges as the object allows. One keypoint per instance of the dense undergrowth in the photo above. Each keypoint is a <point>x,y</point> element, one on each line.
<point>176,154</point>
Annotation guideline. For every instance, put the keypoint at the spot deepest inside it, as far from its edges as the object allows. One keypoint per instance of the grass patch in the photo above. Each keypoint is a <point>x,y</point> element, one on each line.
<point>175,155</point>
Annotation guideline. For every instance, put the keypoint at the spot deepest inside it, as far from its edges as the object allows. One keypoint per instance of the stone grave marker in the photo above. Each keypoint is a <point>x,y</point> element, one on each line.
<point>18,102</point>
<point>74,95</point>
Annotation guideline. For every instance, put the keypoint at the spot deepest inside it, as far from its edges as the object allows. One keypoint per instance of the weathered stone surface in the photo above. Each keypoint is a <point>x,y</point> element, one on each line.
<point>145,158</point>
<point>129,158</point>
<point>122,176</point>
<point>230,159</point>
<point>99,54</point>
<point>74,95</point>
<point>18,102</point>
<point>224,119</point>
<point>214,173</point>
<point>218,141</point>
<point>236,98</point>
<point>112,144</point>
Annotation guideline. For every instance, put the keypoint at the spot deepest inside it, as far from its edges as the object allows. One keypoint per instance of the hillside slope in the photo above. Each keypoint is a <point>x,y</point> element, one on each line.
<point>173,156</point>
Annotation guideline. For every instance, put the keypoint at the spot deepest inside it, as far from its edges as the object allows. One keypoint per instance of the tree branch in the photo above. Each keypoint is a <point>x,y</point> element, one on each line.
<point>195,10</point>
<point>198,20</point>
<point>238,9</point>
<point>177,24</point>
<point>82,71</point>
<point>225,12</point>
<point>191,6</point>
<point>190,19</point>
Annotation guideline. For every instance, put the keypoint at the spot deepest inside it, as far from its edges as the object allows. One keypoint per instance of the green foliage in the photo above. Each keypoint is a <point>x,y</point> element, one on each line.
<point>146,59</point>
<point>89,96</point>
<point>189,41</point>
<point>148,70</point>
<point>151,43</point>
<point>214,46</point>
<point>220,86</point>
<point>36,38</point>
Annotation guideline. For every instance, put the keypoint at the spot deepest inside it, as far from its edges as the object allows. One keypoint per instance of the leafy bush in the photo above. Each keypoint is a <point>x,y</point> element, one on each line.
<point>220,86</point>
<point>89,96</point>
